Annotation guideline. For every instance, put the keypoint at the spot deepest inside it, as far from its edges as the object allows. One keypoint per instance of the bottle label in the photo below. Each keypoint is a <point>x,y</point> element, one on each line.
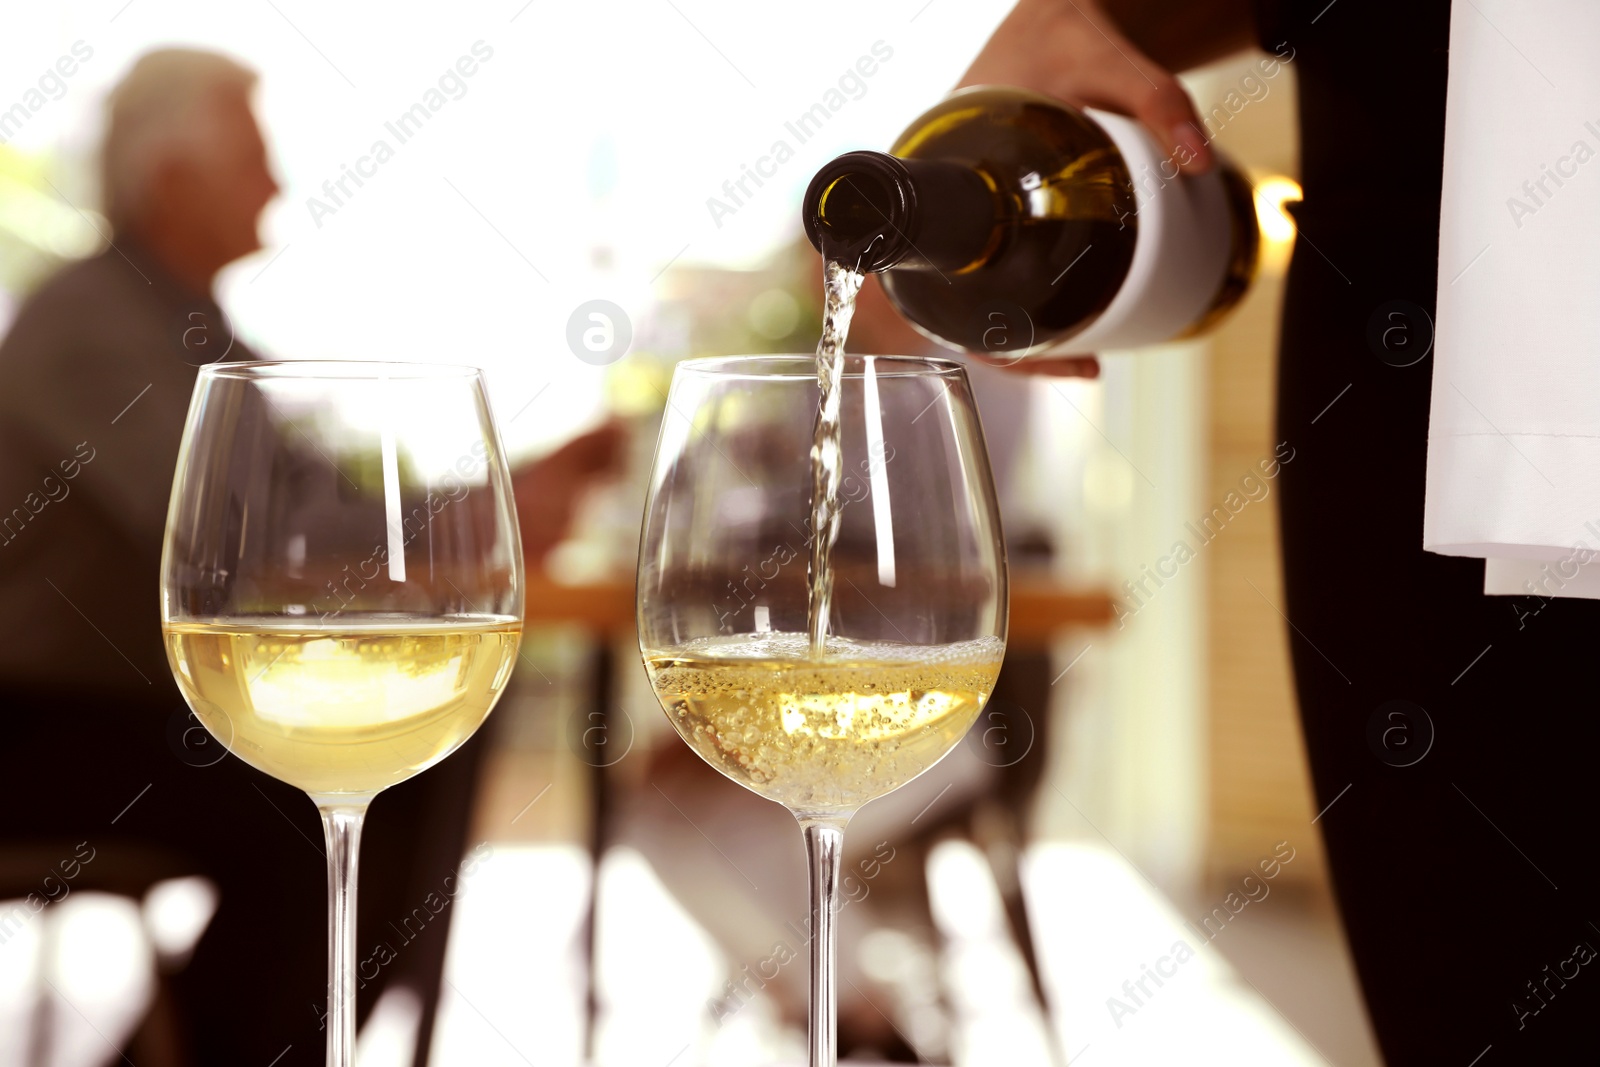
<point>1180,255</point>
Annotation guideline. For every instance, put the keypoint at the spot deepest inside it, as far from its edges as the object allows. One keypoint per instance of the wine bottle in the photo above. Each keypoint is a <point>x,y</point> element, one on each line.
<point>1003,221</point>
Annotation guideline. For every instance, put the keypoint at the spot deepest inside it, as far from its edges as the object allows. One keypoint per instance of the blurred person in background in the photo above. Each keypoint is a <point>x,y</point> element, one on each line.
<point>98,369</point>
<point>1422,875</point>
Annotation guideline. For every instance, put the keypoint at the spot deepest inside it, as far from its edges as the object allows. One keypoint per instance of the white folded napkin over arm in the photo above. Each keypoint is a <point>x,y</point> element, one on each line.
<point>1514,432</point>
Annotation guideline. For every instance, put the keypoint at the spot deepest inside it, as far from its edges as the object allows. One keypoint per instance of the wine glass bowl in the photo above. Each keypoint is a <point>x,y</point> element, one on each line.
<point>341,590</point>
<point>918,608</point>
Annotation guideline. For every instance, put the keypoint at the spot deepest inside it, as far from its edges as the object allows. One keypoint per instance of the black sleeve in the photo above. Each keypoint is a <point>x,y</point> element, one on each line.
<point>1270,23</point>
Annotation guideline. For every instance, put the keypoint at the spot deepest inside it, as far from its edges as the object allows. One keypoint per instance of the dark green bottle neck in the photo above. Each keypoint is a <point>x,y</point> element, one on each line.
<point>877,212</point>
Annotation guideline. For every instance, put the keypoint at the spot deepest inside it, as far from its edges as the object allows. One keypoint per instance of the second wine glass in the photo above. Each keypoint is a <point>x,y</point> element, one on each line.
<point>341,588</point>
<point>917,617</point>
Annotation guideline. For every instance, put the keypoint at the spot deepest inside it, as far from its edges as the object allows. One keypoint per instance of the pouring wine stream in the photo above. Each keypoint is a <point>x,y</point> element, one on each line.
<point>841,284</point>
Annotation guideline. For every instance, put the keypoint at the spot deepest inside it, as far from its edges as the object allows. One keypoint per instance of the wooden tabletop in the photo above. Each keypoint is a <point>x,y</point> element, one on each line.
<point>1039,607</point>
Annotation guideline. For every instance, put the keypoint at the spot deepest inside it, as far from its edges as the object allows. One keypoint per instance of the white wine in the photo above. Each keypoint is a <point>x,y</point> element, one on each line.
<point>352,707</point>
<point>823,735</point>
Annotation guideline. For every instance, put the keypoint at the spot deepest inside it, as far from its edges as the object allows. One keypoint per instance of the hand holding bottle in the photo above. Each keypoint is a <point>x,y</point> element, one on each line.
<point>1077,210</point>
<point>1074,52</point>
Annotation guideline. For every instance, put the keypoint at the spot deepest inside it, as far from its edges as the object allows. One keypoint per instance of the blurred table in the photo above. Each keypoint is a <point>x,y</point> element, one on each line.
<point>1039,607</point>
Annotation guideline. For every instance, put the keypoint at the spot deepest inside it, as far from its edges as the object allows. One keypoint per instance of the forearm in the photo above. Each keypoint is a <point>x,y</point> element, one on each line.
<point>1180,34</point>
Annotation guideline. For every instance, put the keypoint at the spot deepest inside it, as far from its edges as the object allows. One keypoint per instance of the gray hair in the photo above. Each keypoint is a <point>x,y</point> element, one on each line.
<point>162,110</point>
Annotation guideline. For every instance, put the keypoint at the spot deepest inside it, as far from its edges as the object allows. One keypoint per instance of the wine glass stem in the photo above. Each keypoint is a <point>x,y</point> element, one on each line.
<point>824,845</point>
<point>341,825</point>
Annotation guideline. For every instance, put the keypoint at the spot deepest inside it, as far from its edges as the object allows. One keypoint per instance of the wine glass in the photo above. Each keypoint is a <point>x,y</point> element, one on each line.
<point>915,631</point>
<point>341,588</point>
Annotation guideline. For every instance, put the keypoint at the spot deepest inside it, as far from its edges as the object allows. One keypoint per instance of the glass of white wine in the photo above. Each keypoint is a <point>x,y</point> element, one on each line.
<point>341,588</point>
<point>911,595</point>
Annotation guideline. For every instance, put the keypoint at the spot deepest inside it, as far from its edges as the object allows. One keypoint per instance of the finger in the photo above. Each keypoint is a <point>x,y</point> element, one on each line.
<point>1062,366</point>
<point>1129,84</point>
<point>1167,110</point>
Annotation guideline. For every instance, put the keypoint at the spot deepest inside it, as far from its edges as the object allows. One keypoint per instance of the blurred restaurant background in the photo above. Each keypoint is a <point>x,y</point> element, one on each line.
<point>1147,758</point>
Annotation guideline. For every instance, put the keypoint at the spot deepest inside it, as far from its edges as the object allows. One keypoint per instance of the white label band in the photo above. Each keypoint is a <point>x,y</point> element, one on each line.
<point>1180,254</point>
